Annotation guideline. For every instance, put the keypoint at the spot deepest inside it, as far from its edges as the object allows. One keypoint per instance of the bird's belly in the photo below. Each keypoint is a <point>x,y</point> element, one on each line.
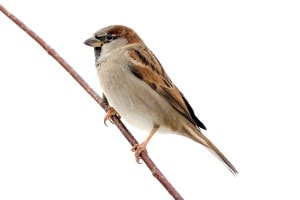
<point>133,99</point>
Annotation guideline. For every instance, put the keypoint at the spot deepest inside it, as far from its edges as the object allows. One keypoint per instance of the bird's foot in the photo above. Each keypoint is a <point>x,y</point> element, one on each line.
<point>110,112</point>
<point>138,149</point>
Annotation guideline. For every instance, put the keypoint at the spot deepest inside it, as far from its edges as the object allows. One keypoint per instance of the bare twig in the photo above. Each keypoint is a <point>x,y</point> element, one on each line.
<point>150,164</point>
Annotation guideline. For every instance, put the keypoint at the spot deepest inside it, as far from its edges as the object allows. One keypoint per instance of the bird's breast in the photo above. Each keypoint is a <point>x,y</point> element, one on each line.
<point>132,98</point>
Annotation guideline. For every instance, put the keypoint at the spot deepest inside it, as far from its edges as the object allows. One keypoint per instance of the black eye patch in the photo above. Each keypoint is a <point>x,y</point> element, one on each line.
<point>109,37</point>
<point>99,37</point>
<point>106,38</point>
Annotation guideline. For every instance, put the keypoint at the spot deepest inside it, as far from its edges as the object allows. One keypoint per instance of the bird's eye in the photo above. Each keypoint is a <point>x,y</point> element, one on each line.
<point>109,37</point>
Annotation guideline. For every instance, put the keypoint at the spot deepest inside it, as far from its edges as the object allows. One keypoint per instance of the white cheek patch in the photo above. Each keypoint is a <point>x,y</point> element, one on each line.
<point>108,48</point>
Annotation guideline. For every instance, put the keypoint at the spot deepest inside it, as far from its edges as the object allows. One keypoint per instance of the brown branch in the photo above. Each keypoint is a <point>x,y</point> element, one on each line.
<point>150,164</point>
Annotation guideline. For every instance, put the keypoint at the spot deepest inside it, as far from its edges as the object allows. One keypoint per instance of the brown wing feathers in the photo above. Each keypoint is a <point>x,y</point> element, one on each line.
<point>144,69</point>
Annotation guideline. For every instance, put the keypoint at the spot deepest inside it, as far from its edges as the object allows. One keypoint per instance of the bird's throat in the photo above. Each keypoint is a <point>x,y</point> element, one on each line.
<point>97,51</point>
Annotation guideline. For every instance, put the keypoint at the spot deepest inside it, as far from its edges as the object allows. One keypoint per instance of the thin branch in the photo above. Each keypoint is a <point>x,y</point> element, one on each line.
<point>150,164</point>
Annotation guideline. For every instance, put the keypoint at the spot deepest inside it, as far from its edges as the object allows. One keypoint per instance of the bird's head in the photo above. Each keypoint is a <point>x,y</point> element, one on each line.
<point>112,37</point>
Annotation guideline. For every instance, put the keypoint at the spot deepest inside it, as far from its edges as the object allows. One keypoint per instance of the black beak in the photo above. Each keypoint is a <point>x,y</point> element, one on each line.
<point>93,42</point>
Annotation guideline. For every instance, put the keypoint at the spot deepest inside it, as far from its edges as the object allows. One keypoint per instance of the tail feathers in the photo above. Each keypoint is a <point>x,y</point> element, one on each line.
<point>223,159</point>
<point>214,150</point>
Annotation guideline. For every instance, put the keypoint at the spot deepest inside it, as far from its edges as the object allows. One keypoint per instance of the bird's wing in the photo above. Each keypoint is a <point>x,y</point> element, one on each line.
<point>145,66</point>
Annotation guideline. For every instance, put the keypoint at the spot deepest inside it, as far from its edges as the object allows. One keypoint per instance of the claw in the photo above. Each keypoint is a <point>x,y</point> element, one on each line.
<point>138,149</point>
<point>110,112</point>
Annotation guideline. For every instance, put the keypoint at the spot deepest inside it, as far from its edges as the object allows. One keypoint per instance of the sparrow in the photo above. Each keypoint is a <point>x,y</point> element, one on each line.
<point>138,89</point>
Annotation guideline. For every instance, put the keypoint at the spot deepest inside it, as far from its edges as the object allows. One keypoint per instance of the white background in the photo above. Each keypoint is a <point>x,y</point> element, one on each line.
<point>237,62</point>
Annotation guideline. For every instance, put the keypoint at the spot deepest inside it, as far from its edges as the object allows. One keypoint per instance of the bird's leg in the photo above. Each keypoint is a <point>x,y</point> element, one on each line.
<point>139,148</point>
<point>110,112</point>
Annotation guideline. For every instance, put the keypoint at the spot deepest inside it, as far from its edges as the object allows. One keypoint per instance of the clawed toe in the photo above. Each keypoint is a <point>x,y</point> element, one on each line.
<point>138,149</point>
<point>110,112</point>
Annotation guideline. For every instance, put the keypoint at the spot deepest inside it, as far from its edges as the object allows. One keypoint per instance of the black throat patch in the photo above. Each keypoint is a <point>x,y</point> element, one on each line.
<point>97,51</point>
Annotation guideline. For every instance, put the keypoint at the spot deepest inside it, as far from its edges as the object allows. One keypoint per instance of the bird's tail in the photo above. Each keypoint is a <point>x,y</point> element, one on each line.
<point>198,136</point>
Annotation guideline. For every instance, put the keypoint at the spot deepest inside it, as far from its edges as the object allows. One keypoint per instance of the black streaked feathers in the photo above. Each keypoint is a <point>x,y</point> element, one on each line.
<point>135,72</point>
<point>143,67</point>
<point>194,117</point>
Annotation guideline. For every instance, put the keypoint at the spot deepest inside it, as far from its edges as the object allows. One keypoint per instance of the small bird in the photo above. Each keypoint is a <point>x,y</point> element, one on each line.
<point>138,89</point>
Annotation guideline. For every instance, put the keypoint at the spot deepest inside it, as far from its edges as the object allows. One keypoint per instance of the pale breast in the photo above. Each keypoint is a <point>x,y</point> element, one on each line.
<point>133,99</point>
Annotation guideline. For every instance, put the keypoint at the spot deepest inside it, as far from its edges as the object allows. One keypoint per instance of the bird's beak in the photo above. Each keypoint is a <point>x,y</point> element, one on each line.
<point>93,42</point>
